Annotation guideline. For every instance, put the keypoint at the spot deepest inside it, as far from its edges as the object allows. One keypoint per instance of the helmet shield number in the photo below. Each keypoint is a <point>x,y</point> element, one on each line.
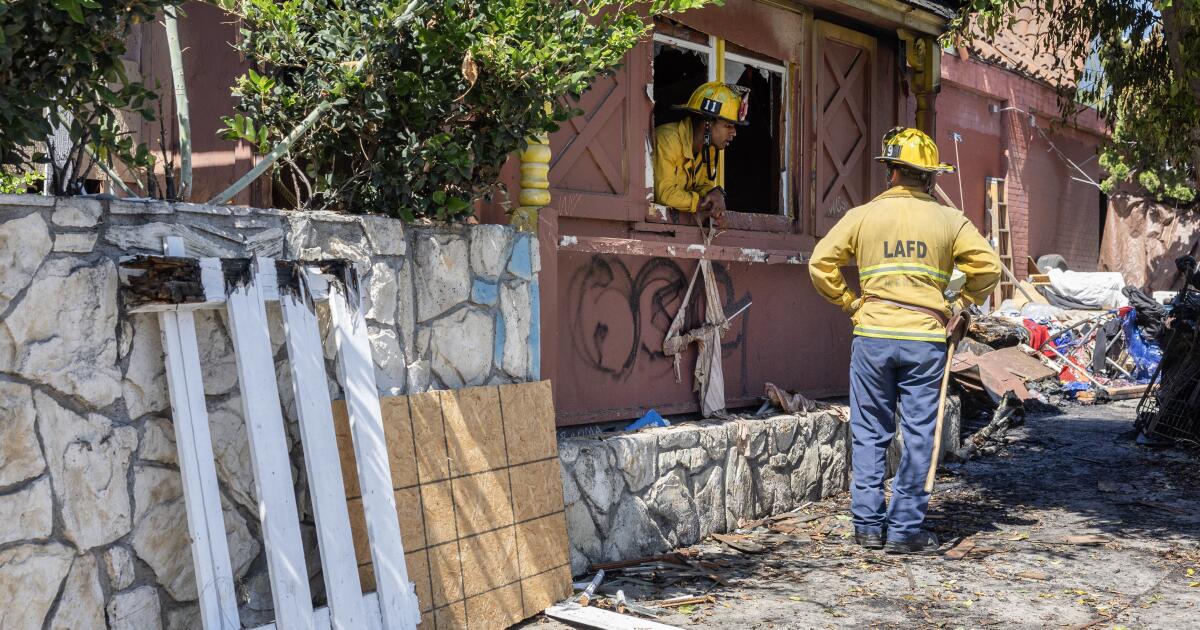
<point>711,107</point>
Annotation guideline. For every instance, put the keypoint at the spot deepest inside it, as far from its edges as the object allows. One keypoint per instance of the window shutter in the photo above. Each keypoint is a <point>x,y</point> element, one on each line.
<point>844,73</point>
<point>598,168</point>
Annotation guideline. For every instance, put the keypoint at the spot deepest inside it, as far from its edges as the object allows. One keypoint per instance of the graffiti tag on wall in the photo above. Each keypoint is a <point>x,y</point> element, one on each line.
<point>619,318</point>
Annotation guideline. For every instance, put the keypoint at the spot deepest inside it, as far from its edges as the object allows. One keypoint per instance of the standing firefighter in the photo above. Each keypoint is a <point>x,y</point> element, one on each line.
<point>906,245</point>
<point>687,154</point>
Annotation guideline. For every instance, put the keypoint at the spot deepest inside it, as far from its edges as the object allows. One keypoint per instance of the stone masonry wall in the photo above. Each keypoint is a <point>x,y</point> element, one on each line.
<point>631,495</point>
<point>92,523</point>
<point>638,494</point>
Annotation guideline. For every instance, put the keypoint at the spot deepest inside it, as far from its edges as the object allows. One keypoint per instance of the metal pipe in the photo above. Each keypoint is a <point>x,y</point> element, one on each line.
<point>270,158</point>
<point>962,200</point>
<point>170,23</point>
<point>1071,363</point>
<point>1016,283</point>
<point>1120,369</point>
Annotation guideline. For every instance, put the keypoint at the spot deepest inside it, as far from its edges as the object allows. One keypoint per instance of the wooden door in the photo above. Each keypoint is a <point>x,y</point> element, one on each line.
<point>599,158</point>
<point>843,83</point>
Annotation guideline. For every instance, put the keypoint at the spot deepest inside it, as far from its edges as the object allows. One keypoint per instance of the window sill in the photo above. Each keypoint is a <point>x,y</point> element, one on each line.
<point>741,221</point>
<point>656,248</point>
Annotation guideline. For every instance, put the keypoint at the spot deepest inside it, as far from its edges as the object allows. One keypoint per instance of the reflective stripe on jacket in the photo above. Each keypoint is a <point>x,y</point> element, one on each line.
<point>680,179</point>
<point>906,245</point>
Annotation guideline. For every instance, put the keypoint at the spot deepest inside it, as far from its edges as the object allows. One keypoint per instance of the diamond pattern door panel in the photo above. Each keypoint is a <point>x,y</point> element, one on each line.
<point>591,156</point>
<point>598,158</point>
<point>844,69</point>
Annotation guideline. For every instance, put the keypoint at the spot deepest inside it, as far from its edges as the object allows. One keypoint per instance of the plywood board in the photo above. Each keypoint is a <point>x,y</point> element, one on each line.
<point>528,422</point>
<point>544,589</point>
<point>479,500</point>
<point>428,431</point>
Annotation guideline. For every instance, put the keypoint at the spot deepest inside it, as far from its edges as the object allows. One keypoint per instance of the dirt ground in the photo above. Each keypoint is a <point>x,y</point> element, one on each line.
<point>1072,526</point>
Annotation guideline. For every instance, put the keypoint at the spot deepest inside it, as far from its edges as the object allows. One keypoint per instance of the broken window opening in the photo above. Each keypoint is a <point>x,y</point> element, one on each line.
<point>755,164</point>
<point>678,70</point>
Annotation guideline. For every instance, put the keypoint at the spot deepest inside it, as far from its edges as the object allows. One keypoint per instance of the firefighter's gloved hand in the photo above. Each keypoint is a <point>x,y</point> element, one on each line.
<point>852,306</point>
<point>962,312</point>
<point>962,305</point>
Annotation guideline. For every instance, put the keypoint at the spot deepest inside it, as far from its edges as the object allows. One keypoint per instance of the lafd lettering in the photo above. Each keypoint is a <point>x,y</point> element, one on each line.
<point>906,249</point>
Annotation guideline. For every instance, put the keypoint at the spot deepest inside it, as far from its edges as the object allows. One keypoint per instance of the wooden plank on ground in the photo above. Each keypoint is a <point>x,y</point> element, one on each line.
<point>315,414</point>
<point>960,551</point>
<point>1123,393</point>
<point>397,600</point>
<point>269,453</point>
<point>592,617</point>
<point>206,520</point>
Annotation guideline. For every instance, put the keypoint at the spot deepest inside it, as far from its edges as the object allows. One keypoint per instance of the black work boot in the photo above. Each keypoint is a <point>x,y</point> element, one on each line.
<point>923,543</point>
<point>868,540</point>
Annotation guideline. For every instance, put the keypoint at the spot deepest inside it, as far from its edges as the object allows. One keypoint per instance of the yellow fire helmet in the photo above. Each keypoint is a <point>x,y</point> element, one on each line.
<point>912,148</point>
<point>719,100</point>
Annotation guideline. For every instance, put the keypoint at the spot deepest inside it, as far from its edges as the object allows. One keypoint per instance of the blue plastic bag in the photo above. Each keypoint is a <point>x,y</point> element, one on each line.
<point>1146,355</point>
<point>1070,390</point>
<point>651,419</point>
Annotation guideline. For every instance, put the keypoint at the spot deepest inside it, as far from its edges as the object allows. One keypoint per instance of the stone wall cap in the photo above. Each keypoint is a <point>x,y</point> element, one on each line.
<point>40,201</point>
<point>139,206</point>
<point>199,208</point>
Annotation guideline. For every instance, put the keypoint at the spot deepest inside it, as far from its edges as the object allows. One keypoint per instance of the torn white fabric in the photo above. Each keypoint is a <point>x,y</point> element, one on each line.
<point>709,375</point>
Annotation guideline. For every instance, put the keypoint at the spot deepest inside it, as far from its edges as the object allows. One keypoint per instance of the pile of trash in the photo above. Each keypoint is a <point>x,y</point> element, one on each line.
<point>1171,410</point>
<point>1084,338</point>
<point>1055,356</point>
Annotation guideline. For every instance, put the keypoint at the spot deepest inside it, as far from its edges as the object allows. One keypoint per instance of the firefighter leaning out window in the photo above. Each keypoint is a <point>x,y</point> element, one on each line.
<point>687,153</point>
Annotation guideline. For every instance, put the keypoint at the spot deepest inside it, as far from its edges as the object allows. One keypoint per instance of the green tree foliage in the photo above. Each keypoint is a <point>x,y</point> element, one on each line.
<point>60,65</point>
<point>430,97</point>
<point>14,182</point>
<point>1148,88</point>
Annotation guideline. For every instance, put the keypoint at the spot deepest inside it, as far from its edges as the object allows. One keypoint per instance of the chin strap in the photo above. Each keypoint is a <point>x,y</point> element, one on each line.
<point>712,167</point>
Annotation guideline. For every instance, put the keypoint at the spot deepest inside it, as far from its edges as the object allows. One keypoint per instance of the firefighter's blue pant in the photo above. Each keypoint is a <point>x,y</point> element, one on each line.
<point>884,372</point>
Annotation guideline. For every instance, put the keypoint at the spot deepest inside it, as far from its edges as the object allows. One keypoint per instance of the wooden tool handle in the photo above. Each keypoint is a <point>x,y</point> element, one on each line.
<point>937,429</point>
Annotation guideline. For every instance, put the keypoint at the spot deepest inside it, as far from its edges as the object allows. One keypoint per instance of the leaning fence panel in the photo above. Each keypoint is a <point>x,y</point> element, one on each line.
<point>173,286</point>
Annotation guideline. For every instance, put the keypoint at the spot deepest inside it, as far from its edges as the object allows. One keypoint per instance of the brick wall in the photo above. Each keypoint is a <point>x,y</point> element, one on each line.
<point>1050,212</point>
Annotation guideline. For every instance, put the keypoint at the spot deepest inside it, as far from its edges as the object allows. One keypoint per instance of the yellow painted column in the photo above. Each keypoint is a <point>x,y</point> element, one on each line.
<point>535,184</point>
<point>924,57</point>
<point>719,53</point>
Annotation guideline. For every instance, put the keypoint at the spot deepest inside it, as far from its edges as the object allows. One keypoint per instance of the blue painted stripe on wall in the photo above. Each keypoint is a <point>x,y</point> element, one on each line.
<point>521,263</point>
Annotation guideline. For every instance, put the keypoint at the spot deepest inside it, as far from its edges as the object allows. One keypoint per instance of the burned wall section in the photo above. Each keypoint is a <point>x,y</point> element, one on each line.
<point>93,529</point>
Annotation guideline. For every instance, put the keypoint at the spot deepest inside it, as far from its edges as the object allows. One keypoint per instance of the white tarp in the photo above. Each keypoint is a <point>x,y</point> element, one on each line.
<point>1096,289</point>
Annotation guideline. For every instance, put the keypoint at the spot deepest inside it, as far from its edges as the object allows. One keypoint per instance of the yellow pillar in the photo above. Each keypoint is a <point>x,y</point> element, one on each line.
<point>924,57</point>
<point>535,183</point>
<point>719,53</point>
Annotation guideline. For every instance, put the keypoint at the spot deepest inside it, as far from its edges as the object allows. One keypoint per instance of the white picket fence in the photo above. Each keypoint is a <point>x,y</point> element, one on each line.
<point>394,604</point>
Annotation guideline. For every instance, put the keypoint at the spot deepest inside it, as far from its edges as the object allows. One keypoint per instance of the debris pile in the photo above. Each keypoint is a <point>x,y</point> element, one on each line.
<point>1042,352</point>
<point>1172,409</point>
<point>1073,338</point>
<point>695,580</point>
